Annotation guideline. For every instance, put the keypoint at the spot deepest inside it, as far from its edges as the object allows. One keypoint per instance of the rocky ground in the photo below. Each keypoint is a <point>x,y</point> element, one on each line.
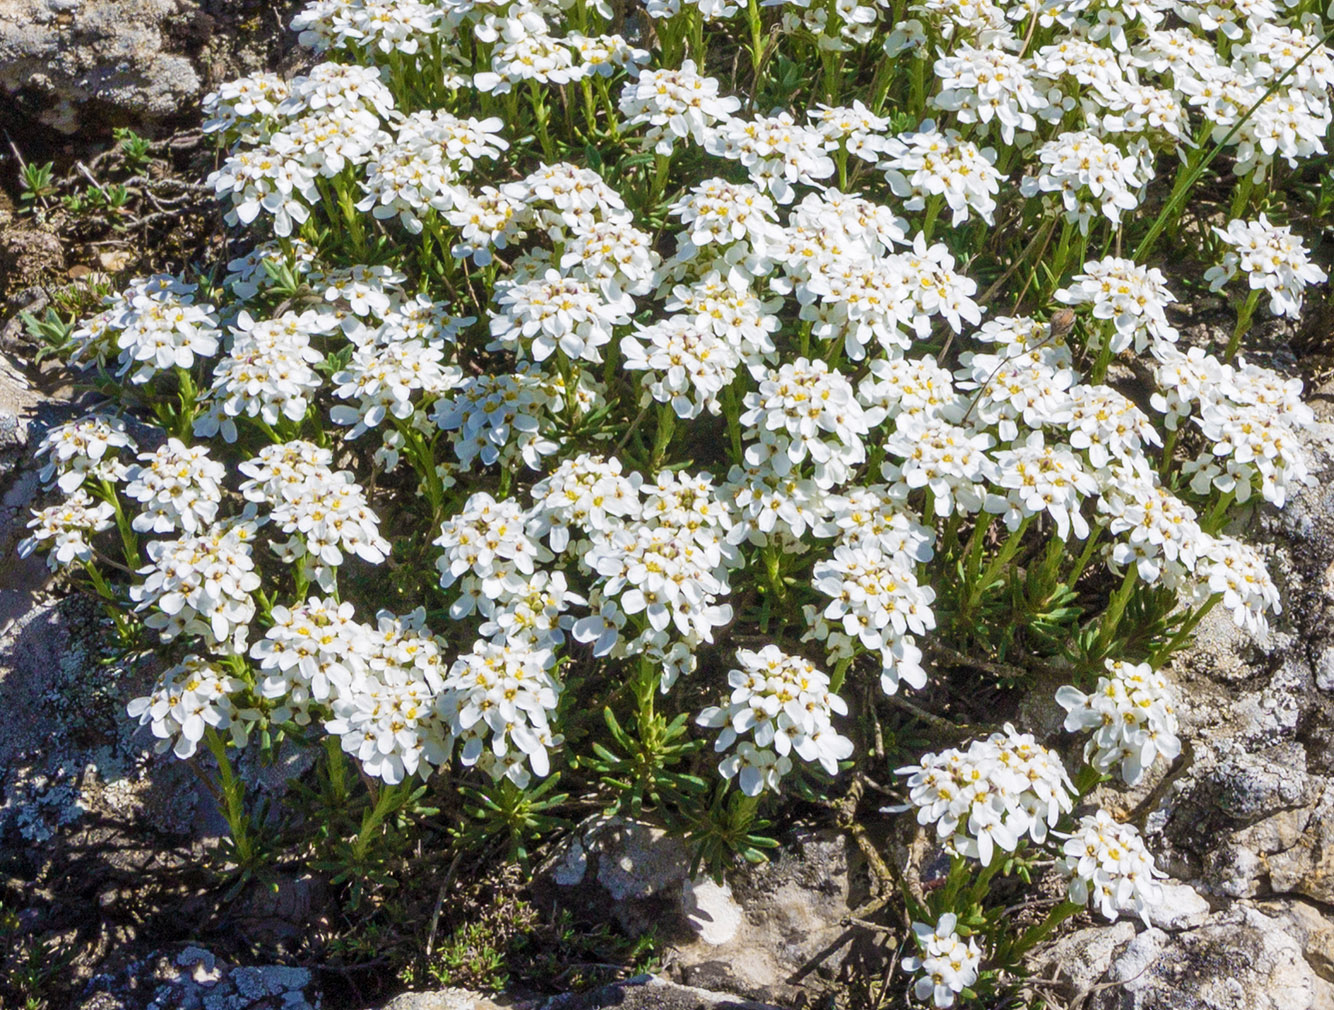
<point>105,896</point>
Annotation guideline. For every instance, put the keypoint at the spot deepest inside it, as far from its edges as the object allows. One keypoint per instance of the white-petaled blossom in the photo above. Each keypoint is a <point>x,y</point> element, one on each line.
<point>1131,714</point>
<point>84,450</point>
<point>1106,863</point>
<point>1237,571</point>
<point>676,104</point>
<point>804,410</point>
<point>688,365</point>
<point>1039,478</point>
<point>267,374</point>
<point>949,461</point>
<point>945,963</point>
<point>310,655</point>
<point>188,700</point>
<point>777,152</point>
<point>154,325</point>
<point>201,585</point>
<point>988,85</point>
<point>1129,296</point>
<point>552,312</point>
<point>877,603</point>
<point>486,545</point>
<point>988,798</point>
<point>387,717</point>
<point>179,488</point>
<point>1273,259</point>
<point>64,531</point>
<point>785,704</point>
<point>930,163</point>
<point>324,513</point>
<point>582,496</point>
<point>1092,176</point>
<point>498,418</point>
<point>498,700</point>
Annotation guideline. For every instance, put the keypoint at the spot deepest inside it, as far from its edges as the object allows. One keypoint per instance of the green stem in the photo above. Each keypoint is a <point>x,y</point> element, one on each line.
<point>1244,315</point>
<point>1027,941</point>
<point>232,799</point>
<point>1116,608</point>
<point>1164,652</point>
<point>540,117</point>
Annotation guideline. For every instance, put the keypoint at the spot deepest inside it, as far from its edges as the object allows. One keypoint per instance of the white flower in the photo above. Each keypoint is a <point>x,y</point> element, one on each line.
<point>784,703</point>
<point>1237,571</point>
<point>179,488</point>
<point>267,374</point>
<point>499,418</point>
<point>982,85</point>
<point>86,449</point>
<point>187,700</point>
<point>487,546</point>
<point>777,152</point>
<point>1130,296</point>
<point>68,527</point>
<point>1273,259</point>
<point>689,366</point>
<point>1044,478</point>
<point>501,697</point>
<point>156,326</point>
<point>1132,715</point>
<point>323,513</point>
<point>1107,863</point>
<point>201,585</point>
<point>583,495</point>
<point>801,410</point>
<point>676,104</point>
<point>946,964</point>
<point>991,795</point>
<point>311,655</point>
<point>554,312</point>
<point>951,462</point>
<point>929,163</point>
<point>875,601</point>
<point>387,717</point>
<point>1092,177</point>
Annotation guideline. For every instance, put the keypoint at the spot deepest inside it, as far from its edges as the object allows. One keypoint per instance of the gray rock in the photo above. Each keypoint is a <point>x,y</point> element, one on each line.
<point>649,992</point>
<point>643,992</point>
<point>1241,959</point>
<point>195,979</point>
<point>770,933</point>
<point>130,59</point>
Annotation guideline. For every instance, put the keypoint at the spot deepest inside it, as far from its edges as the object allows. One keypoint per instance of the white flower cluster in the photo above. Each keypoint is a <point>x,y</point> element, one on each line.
<point>201,584</point>
<point>786,706</point>
<point>1132,298</point>
<point>267,373</point>
<point>930,163</point>
<point>1273,259</point>
<point>946,964</point>
<point>375,687</point>
<point>179,488</point>
<point>83,450</point>
<point>990,796</point>
<point>1106,863</point>
<point>1131,715</point>
<point>154,325</point>
<point>505,693</point>
<point>188,700</point>
<point>64,531</point>
<point>324,513</point>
